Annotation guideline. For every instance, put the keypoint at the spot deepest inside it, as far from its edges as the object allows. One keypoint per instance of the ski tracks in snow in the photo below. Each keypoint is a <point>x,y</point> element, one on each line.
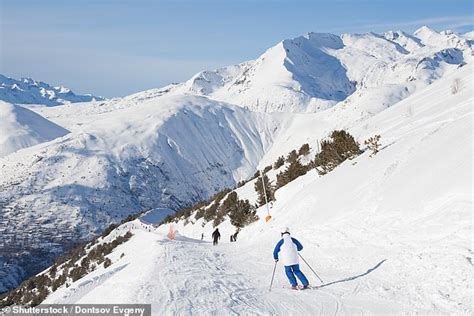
<point>194,278</point>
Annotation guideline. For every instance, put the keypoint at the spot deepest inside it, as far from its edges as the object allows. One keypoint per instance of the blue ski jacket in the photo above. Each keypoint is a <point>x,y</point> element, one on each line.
<point>289,247</point>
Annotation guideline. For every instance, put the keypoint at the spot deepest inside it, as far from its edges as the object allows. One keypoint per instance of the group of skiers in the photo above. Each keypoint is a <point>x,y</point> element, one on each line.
<point>285,250</point>
<point>216,236</point>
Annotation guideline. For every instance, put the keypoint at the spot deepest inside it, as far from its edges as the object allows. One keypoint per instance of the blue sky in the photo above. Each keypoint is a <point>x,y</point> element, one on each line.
<point>114,48</point>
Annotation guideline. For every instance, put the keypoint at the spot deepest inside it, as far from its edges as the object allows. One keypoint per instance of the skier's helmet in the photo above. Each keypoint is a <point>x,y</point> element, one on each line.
<point>285,230</point>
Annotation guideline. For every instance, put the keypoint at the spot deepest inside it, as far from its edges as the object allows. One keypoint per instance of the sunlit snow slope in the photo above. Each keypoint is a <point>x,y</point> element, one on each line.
<point>119,161</point>
<point>29,91</point>
<point>20,128</point>
<point>387,234</point>
<point>317,71</point>
<point>173,146</point>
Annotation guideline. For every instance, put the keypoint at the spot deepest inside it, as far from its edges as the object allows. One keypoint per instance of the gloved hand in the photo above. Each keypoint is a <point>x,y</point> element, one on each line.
<point>276,260</point>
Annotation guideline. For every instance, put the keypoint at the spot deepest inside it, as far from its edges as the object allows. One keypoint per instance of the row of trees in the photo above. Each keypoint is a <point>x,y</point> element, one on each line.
<point>339,147</point>
<point>294,169</point>
<point>70,266</point>
<point>240,212</point>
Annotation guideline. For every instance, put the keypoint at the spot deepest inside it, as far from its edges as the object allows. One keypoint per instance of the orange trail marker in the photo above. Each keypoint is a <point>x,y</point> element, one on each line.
<point>171,233</point>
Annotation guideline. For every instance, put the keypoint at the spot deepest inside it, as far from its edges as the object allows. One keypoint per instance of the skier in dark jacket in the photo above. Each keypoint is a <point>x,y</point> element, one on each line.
<point>216,236</point>
<point>289,248</point>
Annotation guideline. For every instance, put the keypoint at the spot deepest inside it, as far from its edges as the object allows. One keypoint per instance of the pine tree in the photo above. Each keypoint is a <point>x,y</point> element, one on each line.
<point>229,204</point>
<point>304,150</point>
<point>373,144</point>
<point>53,270</point>
<point>107,262</point>
<point>280,162</point>
<point>243,214</point>
<point>293,171</point>
<point>241,183</point>
<point>230,201</point>
<point>292,156</point>
<point>334,151</point>
<point>210,212</point>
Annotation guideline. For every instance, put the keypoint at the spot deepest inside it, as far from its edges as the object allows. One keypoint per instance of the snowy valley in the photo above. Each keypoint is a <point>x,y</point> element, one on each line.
<point>389,233</point>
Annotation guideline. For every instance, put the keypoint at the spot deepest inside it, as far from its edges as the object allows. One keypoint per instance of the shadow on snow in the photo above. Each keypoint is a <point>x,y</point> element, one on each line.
<point>353,277</point>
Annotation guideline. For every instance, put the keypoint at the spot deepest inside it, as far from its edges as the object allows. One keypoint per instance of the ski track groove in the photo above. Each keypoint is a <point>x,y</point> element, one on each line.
<point>200,287</point>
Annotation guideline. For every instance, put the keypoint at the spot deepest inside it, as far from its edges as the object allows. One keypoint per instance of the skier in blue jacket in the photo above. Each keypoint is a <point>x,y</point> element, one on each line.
<point>289,247</point>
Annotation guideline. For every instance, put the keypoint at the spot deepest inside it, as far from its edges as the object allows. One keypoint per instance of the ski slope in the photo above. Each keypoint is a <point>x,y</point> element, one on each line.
<point>387,234</point>
<point>118,159</point>
<point>192,277</point>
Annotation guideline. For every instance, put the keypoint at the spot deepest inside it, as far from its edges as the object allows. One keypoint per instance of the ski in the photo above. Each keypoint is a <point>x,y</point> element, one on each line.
<point>300,288</point>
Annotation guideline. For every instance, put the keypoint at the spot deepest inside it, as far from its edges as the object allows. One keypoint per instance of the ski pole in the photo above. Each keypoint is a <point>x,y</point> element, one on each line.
<point>273,275</point>
<point>311,269</point>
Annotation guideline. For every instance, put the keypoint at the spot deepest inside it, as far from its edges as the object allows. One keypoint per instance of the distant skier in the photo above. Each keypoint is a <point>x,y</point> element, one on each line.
<point>202,236</point>
<point>216,236</point>
<point>289,248</point>
<point>235,235</point>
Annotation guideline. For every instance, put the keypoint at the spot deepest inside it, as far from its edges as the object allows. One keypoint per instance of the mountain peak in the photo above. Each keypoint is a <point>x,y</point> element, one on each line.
<point>315,71</point>
<point>444,39</point>
<point>407,41</point>
<point>315,39</point>
<point>30,91</point>
<point>424,30</point>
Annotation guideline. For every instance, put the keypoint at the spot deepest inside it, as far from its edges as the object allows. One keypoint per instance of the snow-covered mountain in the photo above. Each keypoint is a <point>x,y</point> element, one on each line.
<point>314,72</point>
<point>388,234</point>
<point>119,161</point>
<point>20,128</point>
<point>29,91</point>
<point>173,146</point>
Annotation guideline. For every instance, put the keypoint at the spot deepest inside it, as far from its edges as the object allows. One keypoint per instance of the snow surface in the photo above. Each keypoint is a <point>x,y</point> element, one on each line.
<point>121,159</point>
<point>314,72</point>
<point>29,91</point>
<point>173,146</point>
<point>20,128</point>
<point>397,239</point>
